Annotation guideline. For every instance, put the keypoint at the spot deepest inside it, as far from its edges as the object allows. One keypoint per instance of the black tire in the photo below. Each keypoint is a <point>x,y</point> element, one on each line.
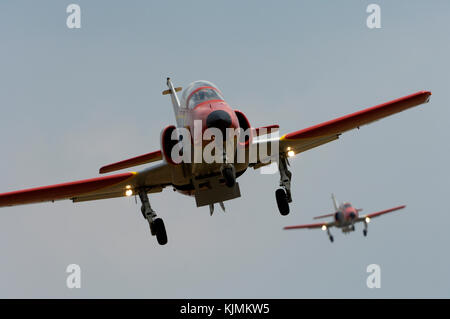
<point>282,201</point>
<point>365,232</point>
<point>230,176</point>
<point>331,238</point>
<point>160,231</point>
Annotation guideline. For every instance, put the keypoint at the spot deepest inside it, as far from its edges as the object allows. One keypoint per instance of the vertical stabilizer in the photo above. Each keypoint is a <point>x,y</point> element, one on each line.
<point>175,101</point>
<point>335,203</point>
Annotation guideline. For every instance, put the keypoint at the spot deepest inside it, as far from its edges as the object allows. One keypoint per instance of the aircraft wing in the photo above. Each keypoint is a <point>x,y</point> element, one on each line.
<point>317,135</point>
<point>310,226</point>
<point>362,218</point>
<point>311,137</point>
<point>153,179</point>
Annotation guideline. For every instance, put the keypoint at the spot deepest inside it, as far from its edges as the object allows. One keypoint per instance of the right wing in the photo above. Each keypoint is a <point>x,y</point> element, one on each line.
<point>152,179</point>
<point>311,226</point>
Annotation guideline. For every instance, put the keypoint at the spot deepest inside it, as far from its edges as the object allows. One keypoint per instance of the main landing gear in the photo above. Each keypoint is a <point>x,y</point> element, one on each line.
<point>365,229</point>
<point>157,227</point>
<point>283,195</point>
<point>329,235</point>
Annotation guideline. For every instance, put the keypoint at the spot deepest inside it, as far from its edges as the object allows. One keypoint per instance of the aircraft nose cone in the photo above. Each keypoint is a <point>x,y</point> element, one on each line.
<point>219,119</point>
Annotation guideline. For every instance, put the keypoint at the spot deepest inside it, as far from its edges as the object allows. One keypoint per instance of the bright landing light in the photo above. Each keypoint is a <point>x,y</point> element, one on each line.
<point>324,227</point>
<point>367,220</point>
<point>129,192</point>
<point>291,153</point>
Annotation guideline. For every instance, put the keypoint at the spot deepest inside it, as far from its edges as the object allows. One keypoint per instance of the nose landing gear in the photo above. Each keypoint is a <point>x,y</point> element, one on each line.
<point>157,227</point>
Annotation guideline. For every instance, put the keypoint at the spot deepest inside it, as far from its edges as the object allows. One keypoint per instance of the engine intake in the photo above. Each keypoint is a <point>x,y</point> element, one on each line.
<point>167,143</point>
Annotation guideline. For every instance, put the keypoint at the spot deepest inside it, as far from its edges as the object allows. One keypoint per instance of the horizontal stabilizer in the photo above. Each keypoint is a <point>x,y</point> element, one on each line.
<point>264,130</point>
<point>324,216</point>
<point>165,92</point>
<point>131,162</point>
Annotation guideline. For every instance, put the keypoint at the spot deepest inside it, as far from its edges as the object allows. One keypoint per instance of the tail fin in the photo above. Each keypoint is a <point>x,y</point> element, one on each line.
<point>175,101</point>
<point>335,202</point>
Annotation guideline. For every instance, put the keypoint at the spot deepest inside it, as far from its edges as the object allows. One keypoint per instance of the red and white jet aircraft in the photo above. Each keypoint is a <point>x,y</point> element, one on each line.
<point>345,217</point>
<point>209,183</point>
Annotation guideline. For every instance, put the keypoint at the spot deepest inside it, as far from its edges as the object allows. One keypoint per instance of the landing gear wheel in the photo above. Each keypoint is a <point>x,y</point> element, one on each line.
<point>365,232</point>
<point>282,201</point>
<point>331,238</point>
<point>160,231</point>
<point>229,175</point>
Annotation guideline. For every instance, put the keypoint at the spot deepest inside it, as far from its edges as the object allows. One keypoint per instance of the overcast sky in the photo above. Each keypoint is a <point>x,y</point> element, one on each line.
<point>72,100</point>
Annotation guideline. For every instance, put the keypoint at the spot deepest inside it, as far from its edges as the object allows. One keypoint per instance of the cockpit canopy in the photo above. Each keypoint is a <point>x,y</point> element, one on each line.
<point>347,205</point>
<point>198,92</point>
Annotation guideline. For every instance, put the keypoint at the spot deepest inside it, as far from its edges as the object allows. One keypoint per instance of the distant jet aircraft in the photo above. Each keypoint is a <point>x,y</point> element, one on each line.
<point>345,217</point>
<point>209,182</point>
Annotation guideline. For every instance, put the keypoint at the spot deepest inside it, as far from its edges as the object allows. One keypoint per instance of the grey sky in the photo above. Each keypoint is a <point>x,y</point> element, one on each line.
<point>74,100</point>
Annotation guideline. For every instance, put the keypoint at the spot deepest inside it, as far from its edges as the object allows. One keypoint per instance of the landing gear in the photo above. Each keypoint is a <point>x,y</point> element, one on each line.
<point>160,231</point>
<point>283,195</point>
<point>329,235</point>
<point>157,227</point>
<point>229,174</point>
<point>365,229</point>
<point>282,201</point>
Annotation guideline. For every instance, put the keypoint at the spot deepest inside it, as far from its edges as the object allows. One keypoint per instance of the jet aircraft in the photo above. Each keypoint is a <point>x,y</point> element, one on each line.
<point>345,217</point>
<point>202,107</point>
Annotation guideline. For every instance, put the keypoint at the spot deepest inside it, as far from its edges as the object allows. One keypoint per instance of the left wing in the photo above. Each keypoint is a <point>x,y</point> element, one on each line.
<point>362,218</point>
<point>311,226</point>
<point>311,137</point>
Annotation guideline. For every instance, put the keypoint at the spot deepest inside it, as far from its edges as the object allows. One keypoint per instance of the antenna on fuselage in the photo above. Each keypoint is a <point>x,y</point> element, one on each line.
<point>335,203</point>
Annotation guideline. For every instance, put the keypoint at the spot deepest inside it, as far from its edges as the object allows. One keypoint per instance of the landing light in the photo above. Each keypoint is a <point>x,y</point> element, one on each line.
<point>367,220</point>
<point>291,153</point>
<point>324,227</point>
<point>129,192</point>
<point>128,187</point>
